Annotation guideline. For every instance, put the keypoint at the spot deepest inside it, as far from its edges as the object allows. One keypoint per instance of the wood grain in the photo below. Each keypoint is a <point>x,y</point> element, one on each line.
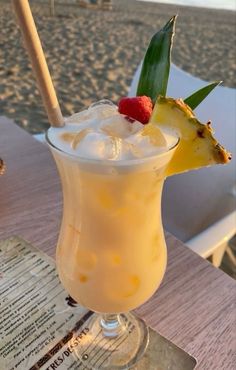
<point>30,197</point>
<point>195,306</point>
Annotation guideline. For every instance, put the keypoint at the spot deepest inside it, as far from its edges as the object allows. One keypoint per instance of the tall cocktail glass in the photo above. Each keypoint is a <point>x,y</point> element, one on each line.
<point>111,252</point>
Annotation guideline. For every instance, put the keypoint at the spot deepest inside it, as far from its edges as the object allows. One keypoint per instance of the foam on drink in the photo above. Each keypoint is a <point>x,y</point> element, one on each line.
<point>101,132</point>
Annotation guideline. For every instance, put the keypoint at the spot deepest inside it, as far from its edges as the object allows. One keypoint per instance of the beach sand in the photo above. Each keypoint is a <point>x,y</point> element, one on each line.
<point>93,54</point>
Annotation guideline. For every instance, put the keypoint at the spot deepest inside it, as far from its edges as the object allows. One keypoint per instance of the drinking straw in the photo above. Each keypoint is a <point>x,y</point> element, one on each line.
<point>38,61</point>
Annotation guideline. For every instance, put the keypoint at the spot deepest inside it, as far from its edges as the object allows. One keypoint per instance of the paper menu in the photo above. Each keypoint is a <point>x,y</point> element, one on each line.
<point>36,315</point>
<point>41,326</point>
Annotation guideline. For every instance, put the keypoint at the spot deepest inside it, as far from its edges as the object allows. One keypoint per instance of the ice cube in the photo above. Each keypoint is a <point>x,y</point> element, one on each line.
<point>78,137</point>
<point>95,145</point>
<point>140,146</point>
<point>117,125</point>
<point>99,110</point>
<point>113,147</point>
<point>135,151</point>
<point>129,150</point>
<point>91,146</point>
<point>102,102</point>
<point>155,135</point>
<point>102,109</point>
<point>79,117</point>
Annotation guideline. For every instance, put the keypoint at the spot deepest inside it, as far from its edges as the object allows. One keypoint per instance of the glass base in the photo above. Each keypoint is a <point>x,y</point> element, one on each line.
<point>112,342</point>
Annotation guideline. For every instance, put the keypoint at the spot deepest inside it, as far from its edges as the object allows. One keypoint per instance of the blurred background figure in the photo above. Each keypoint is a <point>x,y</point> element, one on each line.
<point>104,4</point>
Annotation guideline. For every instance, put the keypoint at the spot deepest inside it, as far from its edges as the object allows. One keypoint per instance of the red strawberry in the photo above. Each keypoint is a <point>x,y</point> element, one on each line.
<point>139,108</point>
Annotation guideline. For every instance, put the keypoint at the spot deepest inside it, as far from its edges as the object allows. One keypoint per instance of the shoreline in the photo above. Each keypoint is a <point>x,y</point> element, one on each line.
<point>186,6</point>
<point>93,54</point>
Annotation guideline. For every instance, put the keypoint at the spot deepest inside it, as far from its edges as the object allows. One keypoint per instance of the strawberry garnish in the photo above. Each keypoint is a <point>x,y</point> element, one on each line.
<point>138,108</point>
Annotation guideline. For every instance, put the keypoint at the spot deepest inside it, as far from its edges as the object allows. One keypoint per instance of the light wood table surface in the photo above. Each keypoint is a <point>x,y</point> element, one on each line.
<point>195,305</point>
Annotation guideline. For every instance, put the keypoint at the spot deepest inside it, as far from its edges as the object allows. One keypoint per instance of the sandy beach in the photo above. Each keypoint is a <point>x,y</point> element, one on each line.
<point>93,54</point>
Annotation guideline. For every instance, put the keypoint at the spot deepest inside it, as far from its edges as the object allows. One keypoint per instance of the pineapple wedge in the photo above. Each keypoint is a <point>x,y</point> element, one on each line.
<point>197,147</point>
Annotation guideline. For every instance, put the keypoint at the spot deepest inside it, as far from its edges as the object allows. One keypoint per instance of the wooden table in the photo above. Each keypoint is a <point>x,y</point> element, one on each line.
<point>194,306</point>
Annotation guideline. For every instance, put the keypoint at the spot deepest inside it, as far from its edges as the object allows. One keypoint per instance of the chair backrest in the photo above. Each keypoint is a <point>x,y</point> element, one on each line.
<point>194,200</point>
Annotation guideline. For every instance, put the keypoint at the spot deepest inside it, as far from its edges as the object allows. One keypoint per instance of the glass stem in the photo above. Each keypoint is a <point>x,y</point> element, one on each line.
<point>112,325</point>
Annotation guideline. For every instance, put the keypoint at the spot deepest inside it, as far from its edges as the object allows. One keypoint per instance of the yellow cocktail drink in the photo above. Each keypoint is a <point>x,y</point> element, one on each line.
<point>111,253</point>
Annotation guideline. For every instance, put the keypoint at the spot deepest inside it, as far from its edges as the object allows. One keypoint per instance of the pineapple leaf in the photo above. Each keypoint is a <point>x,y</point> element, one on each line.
<point>196,98</point>
<point>156,64</point>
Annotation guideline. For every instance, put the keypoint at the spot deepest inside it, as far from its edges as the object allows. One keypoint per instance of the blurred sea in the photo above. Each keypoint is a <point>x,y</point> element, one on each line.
<point>215,4</point>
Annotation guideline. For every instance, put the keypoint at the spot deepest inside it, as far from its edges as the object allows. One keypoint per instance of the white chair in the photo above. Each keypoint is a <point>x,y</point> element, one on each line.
<point>40,137</point>
<point>199,206</point>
